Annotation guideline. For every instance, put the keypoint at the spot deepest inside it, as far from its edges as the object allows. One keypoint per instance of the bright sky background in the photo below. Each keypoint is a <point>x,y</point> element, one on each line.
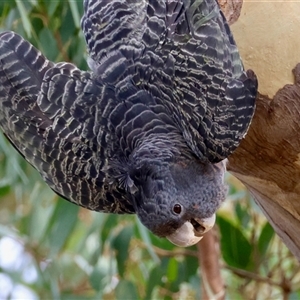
<point>13,258</point>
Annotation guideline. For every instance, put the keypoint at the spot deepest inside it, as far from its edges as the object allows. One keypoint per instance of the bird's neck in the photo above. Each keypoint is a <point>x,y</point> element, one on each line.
<point>164,147</point>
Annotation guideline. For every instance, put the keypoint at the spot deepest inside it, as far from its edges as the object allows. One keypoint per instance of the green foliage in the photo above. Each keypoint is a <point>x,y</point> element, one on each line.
<point>235,246</point>
<point>56,250</point>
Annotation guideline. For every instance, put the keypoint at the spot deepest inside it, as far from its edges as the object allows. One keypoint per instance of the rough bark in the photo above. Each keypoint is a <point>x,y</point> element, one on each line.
<point>268,161</point>
<point>231,9</point>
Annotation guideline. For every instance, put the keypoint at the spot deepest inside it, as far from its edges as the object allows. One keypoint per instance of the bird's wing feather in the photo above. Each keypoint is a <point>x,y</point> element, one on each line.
<point>52,114</point>
<point>184,54</point>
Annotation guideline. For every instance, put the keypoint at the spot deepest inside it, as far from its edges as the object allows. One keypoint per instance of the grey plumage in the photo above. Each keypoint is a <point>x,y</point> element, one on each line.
<point>166,101</point>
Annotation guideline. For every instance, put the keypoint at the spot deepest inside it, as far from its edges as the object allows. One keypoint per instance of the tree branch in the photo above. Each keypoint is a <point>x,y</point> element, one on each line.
<point>268,161</point>
<point>170,253</point>
<point>231,9</point>
<point>209,254</point>
<point>253,276</point>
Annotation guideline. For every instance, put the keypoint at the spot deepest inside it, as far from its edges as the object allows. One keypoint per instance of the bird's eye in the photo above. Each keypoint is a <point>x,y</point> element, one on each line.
<point>177,209</point>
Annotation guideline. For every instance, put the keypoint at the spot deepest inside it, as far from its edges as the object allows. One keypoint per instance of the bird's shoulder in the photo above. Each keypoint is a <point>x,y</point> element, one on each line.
<point>182,53</point>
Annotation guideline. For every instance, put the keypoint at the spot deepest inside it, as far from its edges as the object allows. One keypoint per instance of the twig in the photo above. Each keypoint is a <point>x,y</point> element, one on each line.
<point>209,254</point>
<point>171,253</point>
<point>252,276</point>
<point>61,47</point>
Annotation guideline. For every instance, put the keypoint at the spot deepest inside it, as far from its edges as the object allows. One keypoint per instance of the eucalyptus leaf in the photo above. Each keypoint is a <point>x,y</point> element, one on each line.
<point>126,290</point>
<point>236,248</point>
<point>24,16</point>
<point>145,235</point>
<point>266,235</point>
<point>121,244</point>
<point>62,224</point>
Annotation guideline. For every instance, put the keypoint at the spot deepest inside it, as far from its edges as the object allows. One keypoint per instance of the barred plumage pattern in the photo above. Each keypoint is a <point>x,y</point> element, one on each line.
<point>167,81</point>
<point>184,54</point>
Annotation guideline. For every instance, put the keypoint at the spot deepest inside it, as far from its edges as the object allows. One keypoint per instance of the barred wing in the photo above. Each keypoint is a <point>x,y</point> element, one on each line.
<point>53,115</point>
<point>183,53</point>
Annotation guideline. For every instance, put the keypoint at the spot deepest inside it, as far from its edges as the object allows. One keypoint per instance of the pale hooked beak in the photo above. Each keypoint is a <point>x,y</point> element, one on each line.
<point>191,232</point>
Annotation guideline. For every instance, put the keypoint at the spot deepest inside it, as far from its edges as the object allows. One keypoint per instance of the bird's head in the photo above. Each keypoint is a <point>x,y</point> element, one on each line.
<point>178,200</point>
